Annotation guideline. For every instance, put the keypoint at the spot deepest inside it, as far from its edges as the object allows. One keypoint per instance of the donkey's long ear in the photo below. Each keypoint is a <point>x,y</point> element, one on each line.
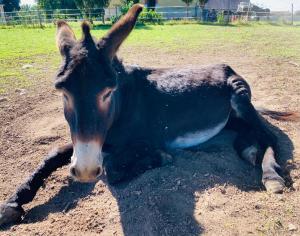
<point>65,37</point>
<point>119,31</point>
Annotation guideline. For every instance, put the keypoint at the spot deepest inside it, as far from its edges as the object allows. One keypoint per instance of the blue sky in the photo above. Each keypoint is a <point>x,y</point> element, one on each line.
<point>274,5</point>
<point>278,5</point>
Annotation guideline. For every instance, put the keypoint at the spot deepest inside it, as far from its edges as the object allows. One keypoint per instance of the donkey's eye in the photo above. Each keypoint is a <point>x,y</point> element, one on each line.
<point>107,95</point>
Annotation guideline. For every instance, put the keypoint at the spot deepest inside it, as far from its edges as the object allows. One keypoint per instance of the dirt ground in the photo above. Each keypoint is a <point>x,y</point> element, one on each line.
<point>207,190</point>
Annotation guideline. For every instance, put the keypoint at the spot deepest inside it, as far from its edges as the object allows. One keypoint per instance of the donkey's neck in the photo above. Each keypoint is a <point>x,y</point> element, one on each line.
<point>130,78</point>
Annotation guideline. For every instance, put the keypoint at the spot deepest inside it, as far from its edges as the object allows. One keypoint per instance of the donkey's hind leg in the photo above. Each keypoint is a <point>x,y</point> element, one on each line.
<point>245,143</point>
<point>243,109</point>
<point>11,211</point>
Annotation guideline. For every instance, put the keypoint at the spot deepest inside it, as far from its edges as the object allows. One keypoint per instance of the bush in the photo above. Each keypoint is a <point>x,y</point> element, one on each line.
<point>114,19</point>
<point>221,18</point>
<point>146,16</point>
<point>125,7</point>
<point>150,16</point>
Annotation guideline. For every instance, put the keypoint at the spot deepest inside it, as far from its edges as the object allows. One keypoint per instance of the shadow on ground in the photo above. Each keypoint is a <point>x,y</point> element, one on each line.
<point>162,201</point>
<point>65,200</point>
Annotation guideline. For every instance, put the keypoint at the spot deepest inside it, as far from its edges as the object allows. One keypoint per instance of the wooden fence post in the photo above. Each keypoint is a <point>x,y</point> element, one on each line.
<point>2,15</point>
<point>40,19</point>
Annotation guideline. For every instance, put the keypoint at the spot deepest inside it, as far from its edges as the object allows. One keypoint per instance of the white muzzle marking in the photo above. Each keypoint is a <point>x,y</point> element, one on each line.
<point>86,160</point>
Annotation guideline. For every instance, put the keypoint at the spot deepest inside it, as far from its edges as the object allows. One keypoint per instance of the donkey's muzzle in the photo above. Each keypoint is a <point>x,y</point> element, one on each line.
<point>87,161</point>
<point>86,176</point>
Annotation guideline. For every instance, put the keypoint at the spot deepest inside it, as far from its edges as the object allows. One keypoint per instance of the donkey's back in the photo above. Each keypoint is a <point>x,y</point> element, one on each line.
<point>170,103</point>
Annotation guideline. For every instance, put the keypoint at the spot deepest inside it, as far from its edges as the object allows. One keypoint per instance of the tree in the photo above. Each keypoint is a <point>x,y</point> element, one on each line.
<point>151,4</point>
<point>11,5</point>
<point>202,5</point>
<point>187,3</point>
<point>48,4</point>
<point>128,1</point>
<point>68,4</point>
<point>89,4</point>
<point>56,4</point>
<point>86,6</point>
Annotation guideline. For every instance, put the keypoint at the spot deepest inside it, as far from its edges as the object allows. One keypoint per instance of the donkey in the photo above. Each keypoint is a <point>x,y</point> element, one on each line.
<point>136,115</point>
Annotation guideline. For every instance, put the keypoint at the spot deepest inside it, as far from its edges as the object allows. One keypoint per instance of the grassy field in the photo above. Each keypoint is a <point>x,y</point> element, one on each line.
<point>19,46</point>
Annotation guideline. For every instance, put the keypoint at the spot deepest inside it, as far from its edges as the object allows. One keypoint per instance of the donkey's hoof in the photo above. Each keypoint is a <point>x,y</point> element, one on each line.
<point>10,213</point>
<point>274,185</point>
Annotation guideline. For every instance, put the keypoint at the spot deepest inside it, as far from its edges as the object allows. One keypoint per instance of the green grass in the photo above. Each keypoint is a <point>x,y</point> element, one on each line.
<point>19,46</point>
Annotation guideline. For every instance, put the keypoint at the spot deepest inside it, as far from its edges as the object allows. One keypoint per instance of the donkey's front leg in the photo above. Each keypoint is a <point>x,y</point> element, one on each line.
<point>133,161</point>
<point>12,210</point>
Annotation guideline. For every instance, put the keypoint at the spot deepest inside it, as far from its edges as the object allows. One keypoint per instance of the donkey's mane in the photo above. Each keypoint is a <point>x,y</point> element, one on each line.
<point>118,65</point>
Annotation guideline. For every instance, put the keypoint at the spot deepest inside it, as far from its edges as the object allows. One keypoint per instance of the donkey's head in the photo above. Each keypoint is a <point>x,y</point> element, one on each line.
<point>88,83</point>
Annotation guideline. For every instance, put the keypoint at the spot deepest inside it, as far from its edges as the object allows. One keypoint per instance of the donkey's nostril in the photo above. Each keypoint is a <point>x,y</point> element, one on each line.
<point>73,171</point>
<point>86,175</point>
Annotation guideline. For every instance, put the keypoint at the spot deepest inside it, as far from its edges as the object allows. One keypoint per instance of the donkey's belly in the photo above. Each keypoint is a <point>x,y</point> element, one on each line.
<point>195,138</point>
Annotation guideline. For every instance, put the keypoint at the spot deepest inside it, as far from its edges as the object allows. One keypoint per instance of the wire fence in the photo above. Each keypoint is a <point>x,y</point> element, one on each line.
<point>41,17</point>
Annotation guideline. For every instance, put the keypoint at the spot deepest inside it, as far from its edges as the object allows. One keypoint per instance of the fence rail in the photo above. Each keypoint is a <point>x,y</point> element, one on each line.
<point>40,17</point>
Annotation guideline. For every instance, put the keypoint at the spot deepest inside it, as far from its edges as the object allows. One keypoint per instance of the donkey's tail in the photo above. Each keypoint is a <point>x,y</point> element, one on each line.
<point>280,115</point>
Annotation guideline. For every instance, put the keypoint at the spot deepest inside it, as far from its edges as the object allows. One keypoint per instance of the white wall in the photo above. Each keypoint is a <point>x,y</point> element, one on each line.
<point>224,4</point>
